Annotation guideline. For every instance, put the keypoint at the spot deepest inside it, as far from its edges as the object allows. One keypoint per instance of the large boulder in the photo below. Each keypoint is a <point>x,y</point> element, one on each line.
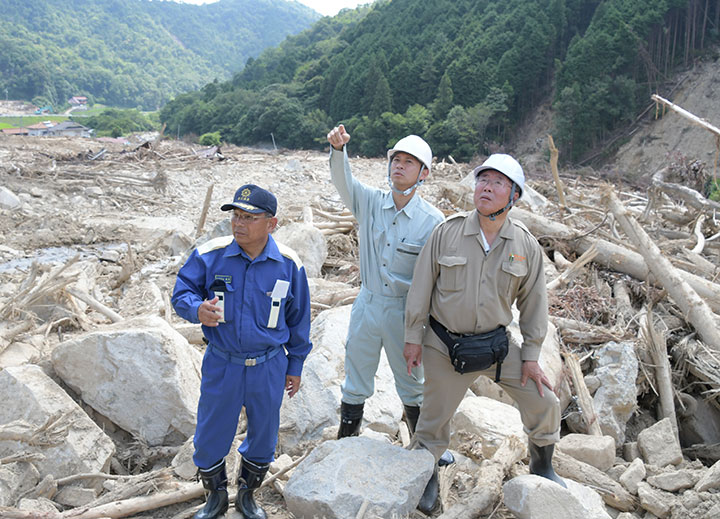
<point>340,475</point>
<point>616,398</point>
<point>140,373</point>
<point>317,404</point>
<point>308,242</point>
<point>490,420</point>
<point>535,497</point>
<point>30,396</point>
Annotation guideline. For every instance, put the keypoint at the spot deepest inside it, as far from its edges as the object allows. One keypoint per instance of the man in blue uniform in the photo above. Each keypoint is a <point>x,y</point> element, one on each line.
<point>394,225</point>
<point>251,295</point>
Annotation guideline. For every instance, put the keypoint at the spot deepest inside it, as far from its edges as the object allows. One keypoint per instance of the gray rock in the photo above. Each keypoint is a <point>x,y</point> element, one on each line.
<point>487,419</point>
<point>139,373</point>
<point>675,480</point>
<point>656,501</point>
<point>338,476</point>
<point>8,199</point>
<point>633,475</point>
<point>709,480</point>
<point>598,451</point>
<point>308,242</point>
<point>31,396</point>
<point>535,497</point>
<point>659,445</point>
<point>616,398</point>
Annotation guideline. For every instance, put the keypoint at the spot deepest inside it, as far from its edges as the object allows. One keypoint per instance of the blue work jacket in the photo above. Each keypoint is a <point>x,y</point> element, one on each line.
<point>248,285</point>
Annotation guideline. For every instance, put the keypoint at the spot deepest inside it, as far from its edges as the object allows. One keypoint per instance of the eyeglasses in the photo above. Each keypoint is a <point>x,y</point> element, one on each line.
<point>495,183</point>
<point>247,218</point>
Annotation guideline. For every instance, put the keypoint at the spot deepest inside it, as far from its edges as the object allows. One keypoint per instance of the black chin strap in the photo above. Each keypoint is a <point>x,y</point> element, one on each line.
<point>507,207</point>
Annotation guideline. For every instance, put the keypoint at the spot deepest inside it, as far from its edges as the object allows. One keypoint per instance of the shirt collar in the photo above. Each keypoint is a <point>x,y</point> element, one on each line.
<point>270,251</point>
<point>409,207</point>
<point>472,226</point>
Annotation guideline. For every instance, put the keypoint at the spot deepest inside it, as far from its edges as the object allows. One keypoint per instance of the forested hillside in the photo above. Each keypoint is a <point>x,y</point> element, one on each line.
<point>461,73</point>
<point>130,53</point>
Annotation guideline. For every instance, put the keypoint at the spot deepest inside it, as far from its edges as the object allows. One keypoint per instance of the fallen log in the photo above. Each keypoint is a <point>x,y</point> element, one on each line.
<point>94,304</point>
<point>693,307</point>
<point>580,332</point>
<point>489,483</point>
<point>584,399</point>
<point>612,492</point>
<point>610,255</point>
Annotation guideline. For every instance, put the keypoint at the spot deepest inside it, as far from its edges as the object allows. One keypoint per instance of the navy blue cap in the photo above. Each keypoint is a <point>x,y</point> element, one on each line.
<point>253,199</point>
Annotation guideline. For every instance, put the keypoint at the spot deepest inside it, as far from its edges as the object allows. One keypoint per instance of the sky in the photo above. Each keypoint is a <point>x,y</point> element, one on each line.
<point>324,7</point>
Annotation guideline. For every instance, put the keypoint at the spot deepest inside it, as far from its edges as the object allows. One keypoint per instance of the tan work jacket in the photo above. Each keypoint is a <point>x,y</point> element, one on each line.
<point>470,291</point>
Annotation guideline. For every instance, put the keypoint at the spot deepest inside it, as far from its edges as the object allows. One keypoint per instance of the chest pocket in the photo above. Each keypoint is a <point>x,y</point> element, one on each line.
<point>453,273</point>
<point>512,273</point>
<point>404,258</point>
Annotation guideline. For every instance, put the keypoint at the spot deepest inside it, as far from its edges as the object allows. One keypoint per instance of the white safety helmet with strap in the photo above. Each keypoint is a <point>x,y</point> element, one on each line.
<point>418,148</point>
<point>509,167</point>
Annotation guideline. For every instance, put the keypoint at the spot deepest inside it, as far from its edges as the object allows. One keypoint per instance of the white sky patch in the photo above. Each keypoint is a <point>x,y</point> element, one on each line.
<point>324,7</point>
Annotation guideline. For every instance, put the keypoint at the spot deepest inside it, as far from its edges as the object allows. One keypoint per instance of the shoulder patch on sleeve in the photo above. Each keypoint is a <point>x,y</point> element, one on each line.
<point>214,244</point>
<point>289,253</point>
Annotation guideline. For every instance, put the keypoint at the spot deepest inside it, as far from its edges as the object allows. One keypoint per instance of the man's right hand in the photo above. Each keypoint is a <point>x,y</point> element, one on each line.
<point>413,355</point>
<point>338,137</point>
<point>207,312</point>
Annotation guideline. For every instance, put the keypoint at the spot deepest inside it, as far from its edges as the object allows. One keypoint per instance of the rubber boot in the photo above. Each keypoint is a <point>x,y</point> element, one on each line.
<point>412,413</point>
<point>541,462</point>
<point>350,419</point>
<point>429,499</point>
<point>214,480</point>
<point>250,477</point>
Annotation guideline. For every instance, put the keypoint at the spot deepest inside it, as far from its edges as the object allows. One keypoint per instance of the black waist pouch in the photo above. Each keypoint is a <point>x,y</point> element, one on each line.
<point>470,353</point>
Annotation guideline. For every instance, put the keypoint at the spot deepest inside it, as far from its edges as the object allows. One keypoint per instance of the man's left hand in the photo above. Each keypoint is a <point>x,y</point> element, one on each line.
<point>292,384</point>
<point>531,369</point>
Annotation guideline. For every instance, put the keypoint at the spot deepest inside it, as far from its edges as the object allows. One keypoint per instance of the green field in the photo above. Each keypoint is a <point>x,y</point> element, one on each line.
<point>24,121</point>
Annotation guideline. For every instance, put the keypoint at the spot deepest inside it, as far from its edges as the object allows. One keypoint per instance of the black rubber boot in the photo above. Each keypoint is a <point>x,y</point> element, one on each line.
<point>214,480</point>
<point>429,499</point>
<point>250,477</point>
<point>350,419</point>
<point>412,413</point>
<point>541,462</point>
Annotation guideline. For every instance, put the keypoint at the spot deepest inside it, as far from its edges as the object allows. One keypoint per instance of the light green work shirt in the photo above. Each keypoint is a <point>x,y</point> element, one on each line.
<point>389,240</point>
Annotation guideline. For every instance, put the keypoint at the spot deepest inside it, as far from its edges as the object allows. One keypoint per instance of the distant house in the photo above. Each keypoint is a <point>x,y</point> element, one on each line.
<point>78,101</point>
<point>39,129</point>
<point>14,131</point>
<point>69,129</point>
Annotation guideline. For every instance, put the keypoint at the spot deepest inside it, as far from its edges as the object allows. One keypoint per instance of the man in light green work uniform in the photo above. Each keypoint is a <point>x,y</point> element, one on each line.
<point>393,226</point>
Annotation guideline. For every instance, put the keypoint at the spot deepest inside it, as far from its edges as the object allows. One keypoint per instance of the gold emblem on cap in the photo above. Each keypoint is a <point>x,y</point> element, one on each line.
<point>245,194</point>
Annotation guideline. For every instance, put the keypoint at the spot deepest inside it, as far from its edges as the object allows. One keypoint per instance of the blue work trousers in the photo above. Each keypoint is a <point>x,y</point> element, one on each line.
<point>225,388</point>
<point>378,322</point>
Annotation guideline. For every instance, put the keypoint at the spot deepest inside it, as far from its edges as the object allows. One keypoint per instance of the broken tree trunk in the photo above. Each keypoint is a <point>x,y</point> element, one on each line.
<point>610,255</point>
<point>489,485</point>
<point>693,307</point>
<point>612,492</point>
<point>554,154</point>
<point>584,399</point>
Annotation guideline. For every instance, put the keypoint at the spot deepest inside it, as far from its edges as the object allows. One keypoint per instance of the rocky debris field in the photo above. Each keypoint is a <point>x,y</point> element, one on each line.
<point>100,378</point>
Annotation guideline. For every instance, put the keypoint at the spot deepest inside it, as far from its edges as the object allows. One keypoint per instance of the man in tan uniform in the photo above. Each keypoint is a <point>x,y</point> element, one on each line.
<point>469,273</point>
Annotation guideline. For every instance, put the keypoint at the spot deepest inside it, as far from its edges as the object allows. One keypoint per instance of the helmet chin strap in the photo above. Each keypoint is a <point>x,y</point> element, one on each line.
<point>409,190</point>
<point>507,207</point>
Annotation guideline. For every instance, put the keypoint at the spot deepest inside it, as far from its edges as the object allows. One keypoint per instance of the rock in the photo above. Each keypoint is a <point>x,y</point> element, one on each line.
<point>16,479</point>
<point>535,497</point>
<point>488,419</point>
<point>182,463</point>
<point>309,243</point>
<point>8,199</point>
<point>317,405</point>
<point>633,475</point>
<point>35,398</point>
<point>710,480</point>
<point>675,480</point>
<point>17,354</point>
<point>39,506</point>
<point>338,476</point>
<point>484,386</point>
<point>598,451</point>
<point>658,444</point>
<point>139,373</point>
<point>72,496</point>
<point>630,451</point>
<point>656,501</point>
<point>616,398</point>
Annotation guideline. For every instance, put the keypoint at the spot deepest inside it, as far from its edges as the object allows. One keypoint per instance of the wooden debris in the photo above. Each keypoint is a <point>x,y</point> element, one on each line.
<point>585,401</point>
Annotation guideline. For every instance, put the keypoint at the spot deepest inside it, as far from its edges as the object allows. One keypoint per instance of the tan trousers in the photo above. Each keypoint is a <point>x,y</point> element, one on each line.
<point>444,389</point>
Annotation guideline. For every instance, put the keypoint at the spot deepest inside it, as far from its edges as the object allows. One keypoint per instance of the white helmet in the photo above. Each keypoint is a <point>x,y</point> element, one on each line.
<point>416,147</point>
<point>506,165</point>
